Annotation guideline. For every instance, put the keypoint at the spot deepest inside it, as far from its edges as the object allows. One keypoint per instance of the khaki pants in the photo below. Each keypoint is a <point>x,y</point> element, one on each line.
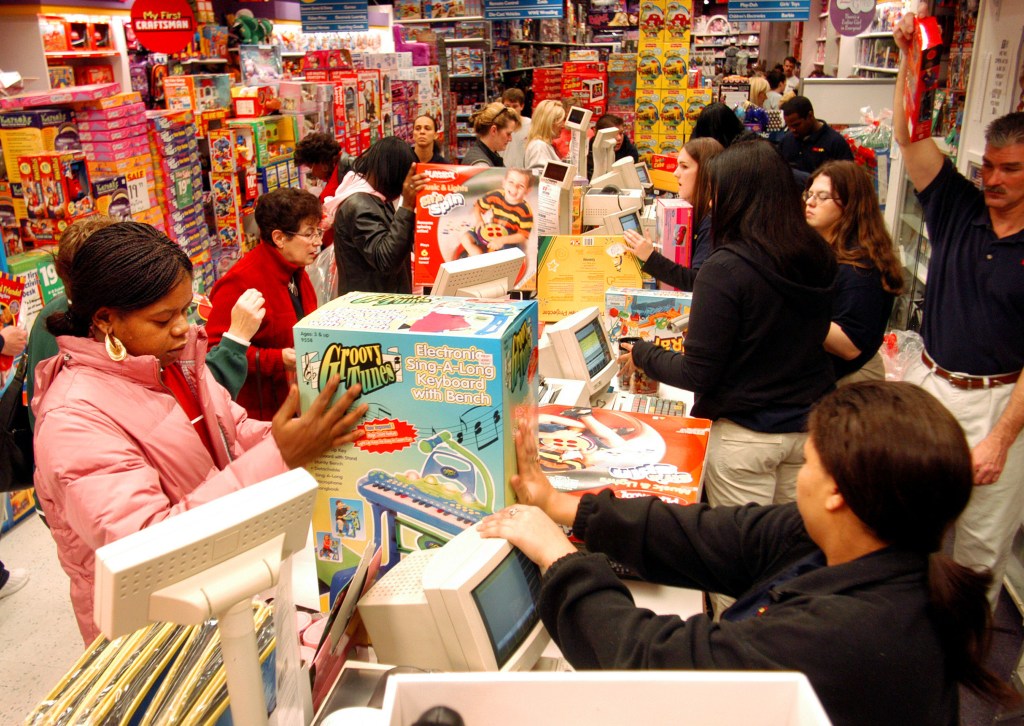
<point>749,466</point>
<point>986,527</point>
<point>873,370</point>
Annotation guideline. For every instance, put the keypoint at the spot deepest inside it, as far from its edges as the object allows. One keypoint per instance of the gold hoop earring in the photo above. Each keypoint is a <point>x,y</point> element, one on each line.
<point>115,348</point>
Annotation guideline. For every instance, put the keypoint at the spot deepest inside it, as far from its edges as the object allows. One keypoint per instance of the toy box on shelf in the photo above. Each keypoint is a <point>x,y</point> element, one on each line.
<point>456,214</point>
<point>657,316</point>
<point>261,64</point>
<point>643,455</point>
<point>33,132</point>
<point>57,191</point>
<point>575,270</point>
<point>198,93</point>
<point>446,380</point>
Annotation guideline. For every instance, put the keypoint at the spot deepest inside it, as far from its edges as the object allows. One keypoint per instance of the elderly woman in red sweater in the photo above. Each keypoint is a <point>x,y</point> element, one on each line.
<point>290,239</point>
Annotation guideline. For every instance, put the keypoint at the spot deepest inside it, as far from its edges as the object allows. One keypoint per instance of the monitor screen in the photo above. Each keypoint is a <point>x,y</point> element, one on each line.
<point>555,171</point>
<point>594,345</point>
<point>630,221</point>
<point>506,599</point>
<point>576,115</point>
<point>641,171</point>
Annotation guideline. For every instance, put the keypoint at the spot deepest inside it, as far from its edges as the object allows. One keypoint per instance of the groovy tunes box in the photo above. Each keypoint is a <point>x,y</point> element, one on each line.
<point>445,379</point>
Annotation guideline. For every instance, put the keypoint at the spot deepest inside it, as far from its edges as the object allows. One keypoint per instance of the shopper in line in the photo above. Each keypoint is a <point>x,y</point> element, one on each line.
<point>424,134</point>
<point>624,147</point>
<point>226,360</point>
<point>493,125</point>
<point>321,154</point>
<point>372,240</point>
<point>841,204</point>
<point>776,88</point>
<point>848,585</point>
<point>791,70</point>
<point>761,310</point>
<point>810,141</point>
<point>290,239</point>
<point>719,122</point>
<point>547,125</point>
<point>693,172</point>
<point>514,154</point>
<point>973,317</point>
<point>130,427</point>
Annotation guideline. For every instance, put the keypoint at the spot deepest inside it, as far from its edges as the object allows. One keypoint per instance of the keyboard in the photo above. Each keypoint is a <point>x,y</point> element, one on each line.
<point>644,403</point>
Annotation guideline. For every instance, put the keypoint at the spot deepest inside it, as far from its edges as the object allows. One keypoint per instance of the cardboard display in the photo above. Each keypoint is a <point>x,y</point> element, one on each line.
<point>467,210</point>
<point>445,379</point>
<point>573,272</point>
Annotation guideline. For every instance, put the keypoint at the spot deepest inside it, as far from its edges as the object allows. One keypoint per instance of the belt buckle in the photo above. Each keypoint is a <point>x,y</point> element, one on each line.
<point>965,381</point>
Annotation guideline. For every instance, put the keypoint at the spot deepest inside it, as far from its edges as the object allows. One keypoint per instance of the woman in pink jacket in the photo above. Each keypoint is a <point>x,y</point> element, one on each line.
<point>131,428</point>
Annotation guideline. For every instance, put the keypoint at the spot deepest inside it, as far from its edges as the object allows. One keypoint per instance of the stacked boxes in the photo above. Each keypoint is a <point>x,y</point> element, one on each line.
<point>657,316</point>
<point>228,202</point>
<point>662,98</point>
<point>622,86</point>
<point>446,381</point>
<point>674,218</point>
<point>429,79</point>
<point>269,144</point>
<point>405,108</point>
<point>207,96</point>
<point>547,84</point>
<point>33,132</point>
<point>174,145</point>
<point>585,84</point>
<point>115,132</point>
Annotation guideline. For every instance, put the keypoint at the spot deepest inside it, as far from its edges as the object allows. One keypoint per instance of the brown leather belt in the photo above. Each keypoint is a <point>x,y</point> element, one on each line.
<point>966,382</point>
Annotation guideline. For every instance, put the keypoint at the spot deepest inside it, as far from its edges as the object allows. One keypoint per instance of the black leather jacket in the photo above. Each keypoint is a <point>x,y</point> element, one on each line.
<point>373,244</point>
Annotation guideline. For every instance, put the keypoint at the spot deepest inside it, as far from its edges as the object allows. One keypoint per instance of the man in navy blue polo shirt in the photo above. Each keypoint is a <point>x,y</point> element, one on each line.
<point>810,141</point>
<point>973,324</point>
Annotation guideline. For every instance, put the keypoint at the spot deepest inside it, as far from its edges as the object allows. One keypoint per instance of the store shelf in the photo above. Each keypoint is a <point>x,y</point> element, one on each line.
<point>428,21</point>
<point>725,45</point>
<point>68,54</point>
<point>525,68</point>
<point>466,136</point>
<point>458,76</point>
<point>202,61</point>
<point>293,54</point>
<point>879,34</point>
<point>876,69</point>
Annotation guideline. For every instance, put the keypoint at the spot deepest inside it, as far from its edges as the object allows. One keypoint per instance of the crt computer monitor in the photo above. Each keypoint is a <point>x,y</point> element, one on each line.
<point>470,605</point>
<point>604,151</point>
<point>488,276</point>
<point>577,348</point>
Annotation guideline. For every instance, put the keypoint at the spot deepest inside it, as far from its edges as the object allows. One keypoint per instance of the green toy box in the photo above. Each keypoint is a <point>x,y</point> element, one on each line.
<point>446,379</point>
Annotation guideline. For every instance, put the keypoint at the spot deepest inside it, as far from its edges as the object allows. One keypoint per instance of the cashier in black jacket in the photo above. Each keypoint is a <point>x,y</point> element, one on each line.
<point>848,585</point>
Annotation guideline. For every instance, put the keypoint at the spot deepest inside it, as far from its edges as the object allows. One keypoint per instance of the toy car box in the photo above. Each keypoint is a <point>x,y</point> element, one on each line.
<point>657,316</point>
<point>446,380</point>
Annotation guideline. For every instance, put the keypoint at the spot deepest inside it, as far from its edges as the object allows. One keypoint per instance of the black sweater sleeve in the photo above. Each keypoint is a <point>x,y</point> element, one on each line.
<point>714,320</point>
<point>665,270</point>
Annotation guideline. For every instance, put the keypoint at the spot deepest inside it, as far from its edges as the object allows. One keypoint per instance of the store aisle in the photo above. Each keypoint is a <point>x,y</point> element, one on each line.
<point>39,639</point>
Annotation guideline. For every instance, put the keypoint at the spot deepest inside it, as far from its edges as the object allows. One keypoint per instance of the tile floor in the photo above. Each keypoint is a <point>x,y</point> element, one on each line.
<point>39,638</point>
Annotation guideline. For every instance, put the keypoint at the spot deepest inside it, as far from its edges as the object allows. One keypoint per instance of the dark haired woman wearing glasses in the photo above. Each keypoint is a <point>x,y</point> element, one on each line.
<point>290,234</point>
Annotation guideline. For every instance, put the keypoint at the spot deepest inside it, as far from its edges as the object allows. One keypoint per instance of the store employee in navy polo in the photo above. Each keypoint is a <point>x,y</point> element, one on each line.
<point>810,141</point>
<point>973,325</point>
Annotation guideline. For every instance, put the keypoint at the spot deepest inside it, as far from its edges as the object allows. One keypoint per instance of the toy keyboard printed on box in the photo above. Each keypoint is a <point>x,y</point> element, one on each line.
<point>631,453</point>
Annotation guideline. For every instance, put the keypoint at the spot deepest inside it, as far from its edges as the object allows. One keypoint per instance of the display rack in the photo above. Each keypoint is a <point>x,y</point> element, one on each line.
<point>712,34</point>
<point>877,54</point>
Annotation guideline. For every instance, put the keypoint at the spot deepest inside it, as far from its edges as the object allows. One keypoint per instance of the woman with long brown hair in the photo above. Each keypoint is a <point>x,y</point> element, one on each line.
<point>693,172</point>
<point>841,204</point>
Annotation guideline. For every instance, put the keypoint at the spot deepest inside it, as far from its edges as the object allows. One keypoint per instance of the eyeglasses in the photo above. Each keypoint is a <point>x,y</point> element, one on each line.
<point>317,234</point>
<point>818,197</point>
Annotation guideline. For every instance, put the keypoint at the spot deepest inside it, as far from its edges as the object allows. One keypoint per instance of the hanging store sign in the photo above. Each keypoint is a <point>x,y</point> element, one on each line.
<point>163,26</point>
<point>770,11</point>
<point>851,17</point>
<point>325,16</point>
<point>523,9</point>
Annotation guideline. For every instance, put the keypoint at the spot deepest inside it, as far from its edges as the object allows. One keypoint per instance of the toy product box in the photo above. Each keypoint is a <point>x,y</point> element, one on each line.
<point>346,113</point>
<point>199,92</point>
<point>674,219</point>
<point>260,64</point>
<point>407,9</point>
<point>678,20</point>
<point>675,66</point>
<point>370,121</point>
<point>644,454</point>
<point>55,185</point>
<point>252,101</point>
<point>42,285</point>
<point>471,209</point>
<point>429,79</point>
<point>652,22</point>
<point>575,270</point>
<point>671,144</point>
<point>95,73</point>
<point>657,316</point>
<point>74,94</point>
<point>112,199</point>
<point>646,145</point>
<point>649,68</point>
<point>672,113</point>
<point>300,97</point>
<point>648,105</point>
<point>446,381</point>
<point>117,100</point>
<point>34,132</point>
<point>922,80</point>
<point>61,76</point>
